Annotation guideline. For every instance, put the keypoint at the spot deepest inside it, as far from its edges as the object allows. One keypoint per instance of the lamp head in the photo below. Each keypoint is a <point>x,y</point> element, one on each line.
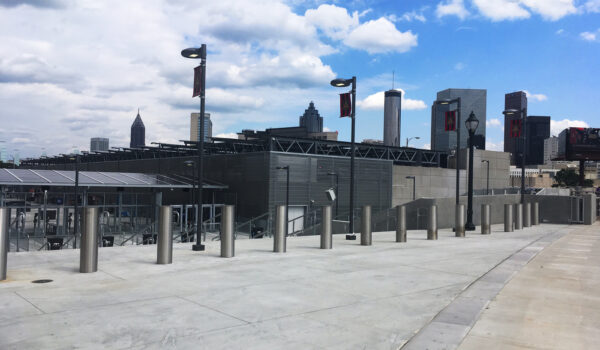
<point>472,123</point>
<point>194,52</point>
<point>339,82</point>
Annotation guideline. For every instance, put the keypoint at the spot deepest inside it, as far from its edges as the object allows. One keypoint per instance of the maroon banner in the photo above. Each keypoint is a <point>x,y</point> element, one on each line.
<point>345,105</point>
<point>515,127</point>
<point>197,81</point>
<point>450,122</point>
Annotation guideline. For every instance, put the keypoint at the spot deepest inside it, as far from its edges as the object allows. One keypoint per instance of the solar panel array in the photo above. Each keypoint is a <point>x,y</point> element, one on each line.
<point>88,178</point>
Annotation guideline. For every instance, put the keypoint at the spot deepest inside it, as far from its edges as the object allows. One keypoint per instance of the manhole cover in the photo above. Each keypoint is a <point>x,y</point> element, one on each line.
<point>41,281</point>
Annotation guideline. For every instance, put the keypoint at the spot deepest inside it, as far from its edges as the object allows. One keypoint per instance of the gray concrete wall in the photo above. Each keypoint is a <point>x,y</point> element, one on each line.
<point>441,183</point>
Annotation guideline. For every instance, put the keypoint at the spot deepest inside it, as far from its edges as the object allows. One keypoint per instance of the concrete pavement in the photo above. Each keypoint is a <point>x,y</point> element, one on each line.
<point>351,297</point>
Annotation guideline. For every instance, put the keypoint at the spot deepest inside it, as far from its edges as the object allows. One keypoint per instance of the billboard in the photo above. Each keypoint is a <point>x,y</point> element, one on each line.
<point>579,144</point>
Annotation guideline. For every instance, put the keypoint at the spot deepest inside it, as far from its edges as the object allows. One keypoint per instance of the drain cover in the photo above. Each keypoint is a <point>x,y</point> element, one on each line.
<point>41,281</point>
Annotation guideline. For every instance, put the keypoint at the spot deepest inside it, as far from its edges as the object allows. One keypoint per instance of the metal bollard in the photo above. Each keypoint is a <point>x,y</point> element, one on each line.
<point>4,220</point>
<point>518,216</point>
<point>326,228</point>
<point>227,229</point>
<point>459,220</point>
<point>88,250</point>
<point>535,220</point>
<point>400,223</point>
<point>164,246</point>
<point>527,215</point>
<point>486,219</point>
<point>366,237</point>
<point>279,239</point>
<point>432,232</point>
<point>508,218</point>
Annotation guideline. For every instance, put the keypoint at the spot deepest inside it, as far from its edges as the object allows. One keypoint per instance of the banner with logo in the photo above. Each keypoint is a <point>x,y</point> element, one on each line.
<point>197,81</point>
<point>345,105</point>
<point>450,121</point>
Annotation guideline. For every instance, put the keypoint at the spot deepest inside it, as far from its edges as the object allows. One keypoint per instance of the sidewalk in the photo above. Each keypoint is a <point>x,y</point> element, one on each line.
<point>552,303</point>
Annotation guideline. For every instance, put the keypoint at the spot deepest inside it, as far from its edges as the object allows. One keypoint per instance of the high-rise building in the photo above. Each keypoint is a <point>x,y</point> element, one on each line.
<point>138,133</point>
<point>195,127</point>
<point>514,100</point>
<point>98,144</point>
<point>550,149</point>
<point>311,119</point>
<point>391,117</point>
<point>537,129</point>
<point>472,100</point>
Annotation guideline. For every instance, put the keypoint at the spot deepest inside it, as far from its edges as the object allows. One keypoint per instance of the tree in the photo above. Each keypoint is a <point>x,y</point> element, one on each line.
<point>570,177</point>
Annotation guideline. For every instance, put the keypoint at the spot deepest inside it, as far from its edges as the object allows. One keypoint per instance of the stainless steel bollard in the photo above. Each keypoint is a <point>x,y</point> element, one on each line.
<point>88,250</point>
<point>508,218</point>
<point>432,231</point>
<point>279,239</point>
<point>527,215</point>
<point>518,216</point>
<point>535,220</point>
<point>227,230</point>
<point>164,246</point>
<point>366,237</point>
<point>459,221</point>
<point>4,220</point>
<point>400,223</point>
<point>486,219</point>
<point>326,228</point>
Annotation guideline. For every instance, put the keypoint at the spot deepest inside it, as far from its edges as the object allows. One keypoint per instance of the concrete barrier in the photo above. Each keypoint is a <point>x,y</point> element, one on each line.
<point>279,239</point>
<point>366,237</point>
<point>432,231</point>
<point>508,218</point>
<point>486,219</point>
<point>518,216</point>
<point>326,228</point>
<point>227,230</point>
<point>88,251</point>
<point>459,221</point>
<point>164,244</point>
<point>400,223</point>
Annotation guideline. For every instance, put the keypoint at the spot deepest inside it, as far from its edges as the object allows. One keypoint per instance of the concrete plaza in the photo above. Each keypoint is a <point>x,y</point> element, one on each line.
<point>352,297</point>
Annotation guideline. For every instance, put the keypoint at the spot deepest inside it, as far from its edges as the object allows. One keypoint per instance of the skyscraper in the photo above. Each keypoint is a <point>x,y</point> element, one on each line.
<point>537,130</point>
<point>472,100</point>
<point>391,117</point>
<point>98,144</point>
<point>311,119</point>
<point>138,133</point>
<point>195,127</point>
<point>514,100</point>
<point>550,149</point>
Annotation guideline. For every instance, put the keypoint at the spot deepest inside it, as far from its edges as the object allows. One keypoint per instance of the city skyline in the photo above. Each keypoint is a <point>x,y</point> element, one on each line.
<point>262,73</point>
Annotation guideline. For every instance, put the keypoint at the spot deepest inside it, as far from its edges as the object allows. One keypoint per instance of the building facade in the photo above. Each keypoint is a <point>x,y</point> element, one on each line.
<point>311,120</point>
<point>99,144</point>
<point>550,149</point>
<point>514,100</point>
<point>472,100</point>
<point>537,130</point>
<point>392,114</point>
<point>195,127</point>
<point>138,133</point>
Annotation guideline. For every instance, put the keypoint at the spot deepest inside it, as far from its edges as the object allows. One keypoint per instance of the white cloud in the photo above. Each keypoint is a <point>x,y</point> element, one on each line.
<point>334,21</point>
<point>409,17</point>
<point>592,6</point>
<point>494,122</point>
<point>427,146</point>
<point>452,8</point>
<point>560,31</point>
<point>494,146</point>
<point>380,36</point>
<point>551,9</point>
<point>535,97</point>
<point>556,126</point>
<point>376,101</point>
<point>228,135</point>
<point>589,36</point>
<point>500,10</point>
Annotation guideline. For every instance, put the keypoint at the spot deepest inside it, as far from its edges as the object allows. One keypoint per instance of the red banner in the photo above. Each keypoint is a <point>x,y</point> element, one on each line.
<point>197,81</point>
<point>345,105</point>
<point>450,122</point>
<point>515,127</point>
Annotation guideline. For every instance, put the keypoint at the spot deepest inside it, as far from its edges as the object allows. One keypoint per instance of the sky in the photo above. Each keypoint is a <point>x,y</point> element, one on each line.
<point>72,70</point>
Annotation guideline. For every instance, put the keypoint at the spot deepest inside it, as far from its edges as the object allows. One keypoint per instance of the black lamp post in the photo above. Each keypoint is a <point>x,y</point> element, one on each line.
<point>199,53</point>
<point>487,183</point>
<point>523,113</point>
<point>343,83</point>
<point>410,138</point>
<point>337,194</point>
<point>76,205</point>
<point>414,186</point>
<point>191,163</point>
<point>472,123</point>
<point>458,102</point>
<point>287,195</point>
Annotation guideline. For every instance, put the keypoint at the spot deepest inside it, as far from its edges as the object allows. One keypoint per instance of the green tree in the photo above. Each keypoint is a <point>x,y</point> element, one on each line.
<point>570,177</point>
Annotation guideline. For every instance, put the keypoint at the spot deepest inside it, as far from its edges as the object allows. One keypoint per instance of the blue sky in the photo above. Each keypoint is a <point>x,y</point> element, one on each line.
<point>72,70</point>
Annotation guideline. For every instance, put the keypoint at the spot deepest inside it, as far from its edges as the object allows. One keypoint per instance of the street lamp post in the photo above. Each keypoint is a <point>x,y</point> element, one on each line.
<point>487,183</point>
<point>414,186</point>
<point>523,113</point>
<point>191,163</point>
<point>76,205</point>
<point>343,83</point>
<point>287,196</point>
<point>410,138</point>
<point>458,103</point>
<point>472,123</point>
<point>199,53</point>
<point>337,194</point>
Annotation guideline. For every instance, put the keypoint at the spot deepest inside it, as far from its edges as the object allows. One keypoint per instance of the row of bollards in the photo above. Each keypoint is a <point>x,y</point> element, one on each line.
<point>524,216</point>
